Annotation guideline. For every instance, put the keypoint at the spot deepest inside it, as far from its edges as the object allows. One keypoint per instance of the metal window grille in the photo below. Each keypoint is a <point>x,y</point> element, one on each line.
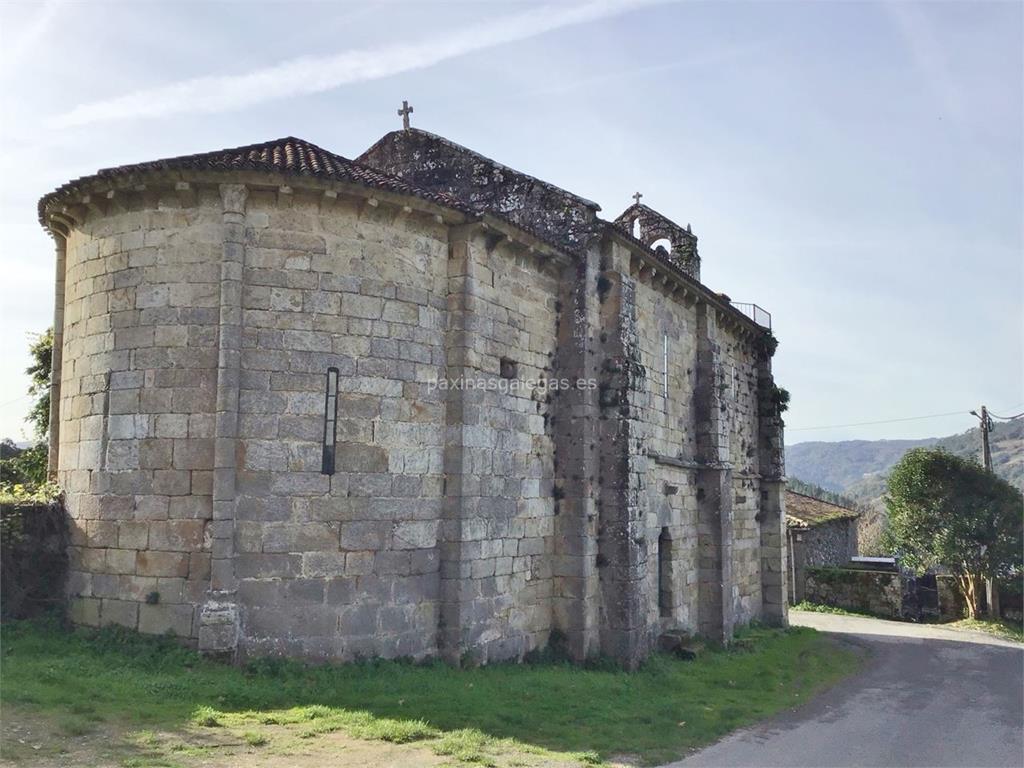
<point>330,422</point>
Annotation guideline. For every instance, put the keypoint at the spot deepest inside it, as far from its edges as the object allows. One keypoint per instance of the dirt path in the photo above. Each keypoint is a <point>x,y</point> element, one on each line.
<point>34,741</point>
<point>29,740</point>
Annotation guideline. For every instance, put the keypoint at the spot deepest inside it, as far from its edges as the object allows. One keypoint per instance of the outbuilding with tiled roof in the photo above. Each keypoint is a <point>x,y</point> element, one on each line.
<point>819,533</point>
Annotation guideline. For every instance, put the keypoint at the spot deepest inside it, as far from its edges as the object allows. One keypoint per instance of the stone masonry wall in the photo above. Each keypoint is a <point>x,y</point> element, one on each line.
<point>740,378</point>
<point>137,388</point>
<point>667,414</point>
<point>746,550</point>
<point>345,564</point>
<point>831,543</point>
<point>667,422</point>
<point>624,552</point>
<point>339,565</point>
<point>649,466</point>
<point>498,537</point>
<point>874,592</point>
<point>667,429</point>
<point>468,514</point>
<point>828,544</point>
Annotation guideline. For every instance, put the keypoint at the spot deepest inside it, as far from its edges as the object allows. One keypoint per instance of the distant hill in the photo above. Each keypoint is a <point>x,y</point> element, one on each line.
<point>857,469</point>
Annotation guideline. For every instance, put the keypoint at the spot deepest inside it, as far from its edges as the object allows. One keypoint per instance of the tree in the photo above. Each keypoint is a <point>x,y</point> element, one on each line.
<point>27,467</point>
<point>945,510</point>
<point>39,373</point>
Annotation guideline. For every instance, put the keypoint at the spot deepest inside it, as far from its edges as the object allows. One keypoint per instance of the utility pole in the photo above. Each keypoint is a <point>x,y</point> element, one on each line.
<point>991,587</point>
<point>986,427</point>
<point>986,451</point>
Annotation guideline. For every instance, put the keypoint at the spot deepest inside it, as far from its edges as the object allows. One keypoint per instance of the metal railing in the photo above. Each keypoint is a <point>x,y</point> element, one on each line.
<point>758,314</point>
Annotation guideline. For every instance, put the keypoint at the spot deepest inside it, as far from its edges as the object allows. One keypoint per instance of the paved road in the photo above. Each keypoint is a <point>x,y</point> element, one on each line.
<point>927,696</point>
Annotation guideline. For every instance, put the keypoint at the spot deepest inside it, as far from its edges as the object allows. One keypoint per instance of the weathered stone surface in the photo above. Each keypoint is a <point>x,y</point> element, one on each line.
<point>151,563</point>
<point>176,535</point>
<point>877,593</point>
<point>120,612</point>
<point>159,619</point>
<point>537,424</point>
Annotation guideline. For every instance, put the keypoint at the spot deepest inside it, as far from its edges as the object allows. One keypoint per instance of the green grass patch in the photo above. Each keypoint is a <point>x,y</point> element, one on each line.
<point>1006,630</point>
<point>255,739</point>
<point>473,715</point>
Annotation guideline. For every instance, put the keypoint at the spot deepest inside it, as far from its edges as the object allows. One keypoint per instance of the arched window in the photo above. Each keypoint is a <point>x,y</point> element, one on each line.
<point>662,242</point>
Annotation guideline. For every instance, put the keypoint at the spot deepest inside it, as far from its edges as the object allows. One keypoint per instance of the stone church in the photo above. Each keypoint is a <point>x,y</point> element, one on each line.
<point>414,404</point>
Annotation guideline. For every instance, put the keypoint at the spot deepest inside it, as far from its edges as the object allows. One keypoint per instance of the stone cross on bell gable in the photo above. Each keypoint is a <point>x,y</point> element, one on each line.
<point>637,197</point>
<point>404,113</point>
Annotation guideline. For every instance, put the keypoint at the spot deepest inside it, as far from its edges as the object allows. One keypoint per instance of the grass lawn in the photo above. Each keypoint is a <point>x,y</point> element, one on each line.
<point>144,688</point>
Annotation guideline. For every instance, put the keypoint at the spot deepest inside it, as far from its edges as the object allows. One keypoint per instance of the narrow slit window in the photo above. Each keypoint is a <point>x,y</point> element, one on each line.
<point>665,597</point>
<point>664,368</point>
<point>330,422</point>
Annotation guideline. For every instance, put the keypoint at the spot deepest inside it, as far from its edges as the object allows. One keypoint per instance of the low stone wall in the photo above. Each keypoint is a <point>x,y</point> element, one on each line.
<point>33,558</point>
<point>953,607</point>
<point>876,592</point>
<point>829,544</point>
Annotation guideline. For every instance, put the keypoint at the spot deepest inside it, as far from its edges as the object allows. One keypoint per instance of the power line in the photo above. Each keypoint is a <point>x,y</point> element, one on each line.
<point>908,418</point>
<point>1005,418</point>
<point>872,423</point>
<point>15,400</point>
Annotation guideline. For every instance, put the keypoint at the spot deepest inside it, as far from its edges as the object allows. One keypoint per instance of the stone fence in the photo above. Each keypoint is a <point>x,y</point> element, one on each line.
<point>878,593</point>
<point>892,595</point>
<point>33,558</point>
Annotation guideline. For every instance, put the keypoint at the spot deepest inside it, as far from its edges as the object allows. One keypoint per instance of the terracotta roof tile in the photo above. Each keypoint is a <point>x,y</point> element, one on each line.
<point>806,511</point>
<point>289,156</point>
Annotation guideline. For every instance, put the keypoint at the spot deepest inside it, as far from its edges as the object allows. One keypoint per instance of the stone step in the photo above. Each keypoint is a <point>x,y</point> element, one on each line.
<point>680,643</point>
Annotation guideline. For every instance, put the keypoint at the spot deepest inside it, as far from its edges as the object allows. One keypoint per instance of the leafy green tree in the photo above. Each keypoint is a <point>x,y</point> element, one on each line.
<point>945,510</point>
<point>39,373</point>
<point>22,466</point>
<point>27,468</point>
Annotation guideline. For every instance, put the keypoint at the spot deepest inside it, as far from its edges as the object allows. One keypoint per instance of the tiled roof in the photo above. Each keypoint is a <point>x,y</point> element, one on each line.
<point>565,221</point>
<point>806,511</point>
<point>553,215</point>
<point>289,156</point>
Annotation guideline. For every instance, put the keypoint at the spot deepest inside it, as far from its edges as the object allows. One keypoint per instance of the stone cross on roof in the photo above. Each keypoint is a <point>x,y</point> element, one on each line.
<point>404,113</point>
<point>637,197</point>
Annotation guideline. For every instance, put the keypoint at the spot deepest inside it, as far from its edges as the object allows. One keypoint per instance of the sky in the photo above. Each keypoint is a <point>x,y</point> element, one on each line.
<point>855,168</point>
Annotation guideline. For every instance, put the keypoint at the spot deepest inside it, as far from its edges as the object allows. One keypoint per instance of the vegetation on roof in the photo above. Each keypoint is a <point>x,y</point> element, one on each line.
<point>809,511</point>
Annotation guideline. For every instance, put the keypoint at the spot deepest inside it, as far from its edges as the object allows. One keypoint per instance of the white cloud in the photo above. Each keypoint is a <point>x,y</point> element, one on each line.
<point>314,74</point>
